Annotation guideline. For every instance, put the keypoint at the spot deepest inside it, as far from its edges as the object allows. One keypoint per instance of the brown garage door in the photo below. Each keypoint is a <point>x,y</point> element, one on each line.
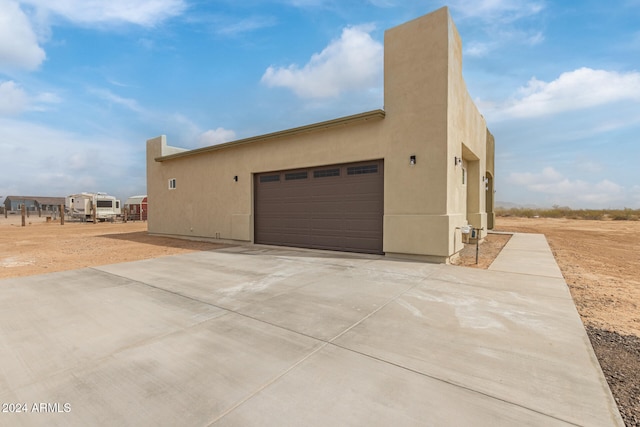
<point>338,207</point>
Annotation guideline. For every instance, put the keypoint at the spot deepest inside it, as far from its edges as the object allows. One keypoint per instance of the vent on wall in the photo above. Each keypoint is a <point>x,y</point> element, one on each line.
<point>326,172</point>
<point>359,170</point>
<point>270,178</point>
<point>295,175</point>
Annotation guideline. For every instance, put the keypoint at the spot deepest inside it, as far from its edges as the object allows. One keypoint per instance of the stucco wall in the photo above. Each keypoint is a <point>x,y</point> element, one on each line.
<point>207,202</point>
<point>427,113</point>
<point>467,138</point>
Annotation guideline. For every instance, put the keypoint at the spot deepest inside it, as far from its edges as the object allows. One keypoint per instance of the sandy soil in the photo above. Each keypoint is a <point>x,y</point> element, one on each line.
<point>484,253</point>
<point>42,247</point>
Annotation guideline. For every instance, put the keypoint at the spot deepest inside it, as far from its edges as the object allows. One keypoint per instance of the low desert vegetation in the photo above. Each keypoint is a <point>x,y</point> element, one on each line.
<point>556,211</point>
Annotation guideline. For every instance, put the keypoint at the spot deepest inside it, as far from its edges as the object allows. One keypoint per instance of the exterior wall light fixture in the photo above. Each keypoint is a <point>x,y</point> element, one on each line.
<point>235,178</point>
<point>412,160</point>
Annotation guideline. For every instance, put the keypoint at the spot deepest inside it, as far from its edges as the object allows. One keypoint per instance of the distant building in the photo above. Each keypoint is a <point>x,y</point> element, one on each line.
<point>33,203</point>
<point>137,207</point>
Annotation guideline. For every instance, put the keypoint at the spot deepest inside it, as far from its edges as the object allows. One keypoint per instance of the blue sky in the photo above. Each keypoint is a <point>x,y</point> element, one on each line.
<point>84,83</point>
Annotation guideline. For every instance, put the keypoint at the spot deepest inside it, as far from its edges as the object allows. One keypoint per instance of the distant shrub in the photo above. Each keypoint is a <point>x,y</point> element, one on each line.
<point>593,215</point>
<point>556,211</point>
<point>626,215</point>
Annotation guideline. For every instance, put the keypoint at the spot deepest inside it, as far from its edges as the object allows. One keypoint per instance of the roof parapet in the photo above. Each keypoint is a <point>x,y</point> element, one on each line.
<point>342,121</point>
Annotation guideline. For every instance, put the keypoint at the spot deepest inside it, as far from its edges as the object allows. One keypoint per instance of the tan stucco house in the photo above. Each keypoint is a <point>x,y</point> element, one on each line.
<point>400,181</point>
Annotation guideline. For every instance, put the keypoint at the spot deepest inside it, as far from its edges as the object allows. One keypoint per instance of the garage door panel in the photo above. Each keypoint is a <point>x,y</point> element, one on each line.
<point>366,245</point>
<point>362,205</point>
<point>296,208</point>
<point>284,238</point>
<point>328,224</point>
<point>363,225</point>
<point>361,194</point>
<point>329,207</point>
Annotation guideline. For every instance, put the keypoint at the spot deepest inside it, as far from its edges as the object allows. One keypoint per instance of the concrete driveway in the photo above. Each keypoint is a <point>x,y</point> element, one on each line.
<point>272,337</point>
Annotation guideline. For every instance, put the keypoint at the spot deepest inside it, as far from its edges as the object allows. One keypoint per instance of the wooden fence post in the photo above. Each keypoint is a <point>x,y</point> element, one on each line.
<point>22,213</point>
<point>61,207</point>
<point>94,209</point>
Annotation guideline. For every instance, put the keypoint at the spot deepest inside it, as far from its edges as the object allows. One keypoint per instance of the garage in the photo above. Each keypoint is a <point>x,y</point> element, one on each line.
<point>335,207</point>
<point>324,185</point>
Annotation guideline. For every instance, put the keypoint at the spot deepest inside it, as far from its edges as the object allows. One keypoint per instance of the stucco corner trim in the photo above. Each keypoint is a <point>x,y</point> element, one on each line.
<point>342,121</point>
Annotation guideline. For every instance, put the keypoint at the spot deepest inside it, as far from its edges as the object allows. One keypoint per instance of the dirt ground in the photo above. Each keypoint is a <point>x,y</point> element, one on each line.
<point>599,259</point>
<point>485,252</point>
<point>42,247</point>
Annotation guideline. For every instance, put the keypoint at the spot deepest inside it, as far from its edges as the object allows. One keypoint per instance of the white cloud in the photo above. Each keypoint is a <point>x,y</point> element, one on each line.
<point>588,166</point>
<point>503,11</point>
<point>19,44</point>
<point>84,12</point>
<point>13,100</point>
<point>502,23</point>
<point>245,25</point>
<point>383,3</point>
<point>120,84</point>
<point>187,133</point>
<point>536,38</point>
<point>67,163</point>
<point>107,95</point>
<point>47,98</point>
<point>548,175</point>
<point>19,48</point>
<point>352,62</point>
<point>216,136</point>
<point>573,90</point>
<point>498,38</point>
<point>305,3</point>
<point>565,191</point>
<point>478,49</point>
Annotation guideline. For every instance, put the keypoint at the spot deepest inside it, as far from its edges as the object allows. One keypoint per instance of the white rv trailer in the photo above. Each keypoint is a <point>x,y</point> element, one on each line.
<point>84,205</point>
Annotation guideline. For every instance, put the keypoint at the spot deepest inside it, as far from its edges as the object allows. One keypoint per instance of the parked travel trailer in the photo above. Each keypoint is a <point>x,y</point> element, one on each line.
<point>85,205</point>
